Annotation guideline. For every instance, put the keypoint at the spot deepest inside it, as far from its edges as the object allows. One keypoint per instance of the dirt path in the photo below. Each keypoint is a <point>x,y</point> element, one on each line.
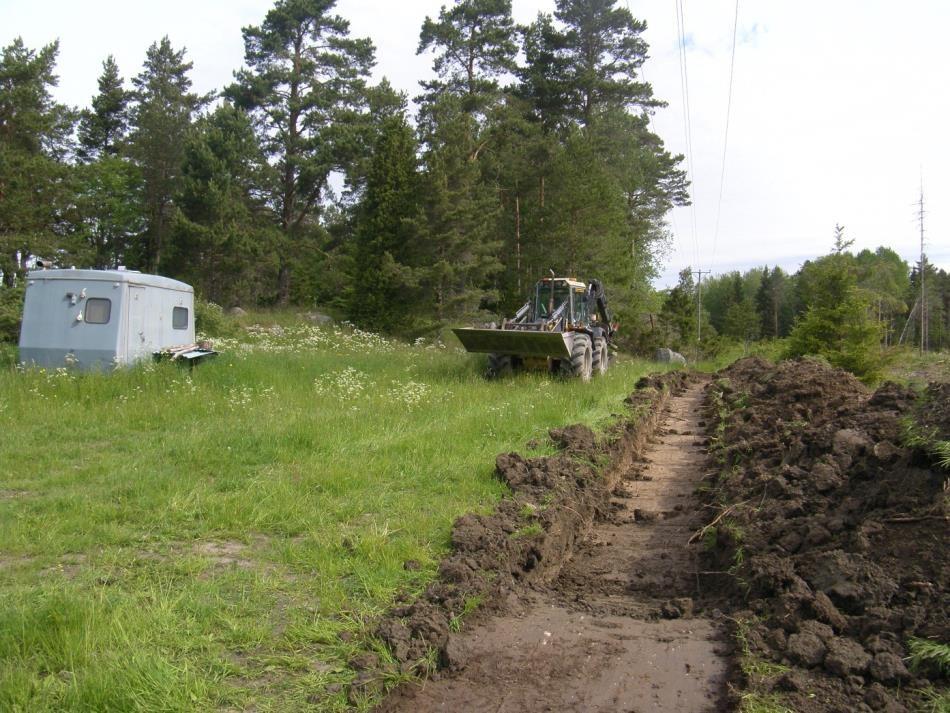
<point>615,630</point>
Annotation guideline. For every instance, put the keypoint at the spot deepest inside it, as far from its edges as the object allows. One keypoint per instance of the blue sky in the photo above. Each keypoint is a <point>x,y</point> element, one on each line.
<point>838,107</point>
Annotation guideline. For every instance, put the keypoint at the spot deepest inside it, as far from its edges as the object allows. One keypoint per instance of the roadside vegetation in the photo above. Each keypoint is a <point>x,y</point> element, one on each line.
<point>858,312</point>
<point>214,538</point>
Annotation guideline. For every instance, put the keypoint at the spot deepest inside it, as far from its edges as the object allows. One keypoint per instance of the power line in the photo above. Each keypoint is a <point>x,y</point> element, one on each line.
<point>924,336</point>
<point>676,235</point>
<point>649,116</point>
<point>699,303</point>
<point>725,138</point>
<point>687,124</point>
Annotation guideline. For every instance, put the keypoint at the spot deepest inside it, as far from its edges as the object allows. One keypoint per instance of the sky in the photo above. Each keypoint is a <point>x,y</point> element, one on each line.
<point>838,114</point>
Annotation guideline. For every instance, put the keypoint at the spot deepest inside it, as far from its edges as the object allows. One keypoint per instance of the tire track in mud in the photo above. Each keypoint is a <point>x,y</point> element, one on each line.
<point>616,629</point>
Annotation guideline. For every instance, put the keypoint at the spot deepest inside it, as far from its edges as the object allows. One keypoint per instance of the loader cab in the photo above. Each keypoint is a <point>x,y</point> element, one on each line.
<point>552,292</point>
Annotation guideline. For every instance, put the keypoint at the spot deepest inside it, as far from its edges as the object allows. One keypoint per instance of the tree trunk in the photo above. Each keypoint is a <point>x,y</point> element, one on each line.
<point>10,271</point>
<point>518,241</point>
<point>283,283</point>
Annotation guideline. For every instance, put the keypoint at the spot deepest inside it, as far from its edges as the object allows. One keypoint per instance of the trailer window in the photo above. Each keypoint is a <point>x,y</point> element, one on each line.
<point>98,310</point>
<point>180,318</point>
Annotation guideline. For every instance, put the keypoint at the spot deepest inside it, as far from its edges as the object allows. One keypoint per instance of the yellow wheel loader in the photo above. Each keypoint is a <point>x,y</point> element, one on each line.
<point>565,328</point>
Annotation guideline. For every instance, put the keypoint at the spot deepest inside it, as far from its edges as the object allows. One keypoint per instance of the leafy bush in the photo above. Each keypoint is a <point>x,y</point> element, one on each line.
<point>211,321</point>
<point>11,313</point>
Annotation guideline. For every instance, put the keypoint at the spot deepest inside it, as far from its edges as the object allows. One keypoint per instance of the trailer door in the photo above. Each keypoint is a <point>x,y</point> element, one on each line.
<point>137,311</point>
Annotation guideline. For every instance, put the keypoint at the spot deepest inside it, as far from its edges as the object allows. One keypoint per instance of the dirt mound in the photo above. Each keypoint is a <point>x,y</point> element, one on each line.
<point>529,536</point>
<point>830,541</point>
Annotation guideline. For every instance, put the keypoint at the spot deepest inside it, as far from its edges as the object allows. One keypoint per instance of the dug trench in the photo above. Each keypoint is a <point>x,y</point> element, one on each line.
<point>584,583</point>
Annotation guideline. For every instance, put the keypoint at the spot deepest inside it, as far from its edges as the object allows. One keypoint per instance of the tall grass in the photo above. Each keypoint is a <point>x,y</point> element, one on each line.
<point>218,538</point>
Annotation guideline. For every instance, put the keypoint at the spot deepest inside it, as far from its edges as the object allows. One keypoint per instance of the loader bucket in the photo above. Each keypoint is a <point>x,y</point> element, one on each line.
<point>516,342</point>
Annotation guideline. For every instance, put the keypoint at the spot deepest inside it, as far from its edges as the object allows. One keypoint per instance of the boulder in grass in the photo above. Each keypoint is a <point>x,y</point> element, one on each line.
<point>668,356</point>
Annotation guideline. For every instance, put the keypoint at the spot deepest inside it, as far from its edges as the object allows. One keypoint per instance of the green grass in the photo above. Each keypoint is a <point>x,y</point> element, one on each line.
<point>908,366</point>
<point>771,349</point>
<point>175,540</point>
<point>925,653</point>
<point>762,703</point>
<point>933,701</point>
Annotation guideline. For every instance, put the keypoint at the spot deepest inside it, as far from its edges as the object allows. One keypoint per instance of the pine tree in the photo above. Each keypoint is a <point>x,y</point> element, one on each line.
<point>110,213</point>
<point>581,78</point>
<point>163,111</point>
<point>546,64</point>
<point>304,73</point>
<point>591,65</point>
<point>473,45</point>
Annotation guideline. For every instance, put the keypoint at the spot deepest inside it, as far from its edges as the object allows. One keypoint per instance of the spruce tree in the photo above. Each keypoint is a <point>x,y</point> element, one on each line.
<point>103,128</point>
<point>35,138</point>
<point>223,240</point>
<point>741,321</point>
<point>388,255</point>
<point>770,300</point>
<point>108,185</point>
<point>462,213</point>
<point>837,323</point>
<point>678,314</point>
<point>161,117</point>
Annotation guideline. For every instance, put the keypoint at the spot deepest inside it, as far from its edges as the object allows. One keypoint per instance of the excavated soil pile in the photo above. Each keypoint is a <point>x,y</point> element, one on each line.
<point>831,539</point>
<point>526,539</point>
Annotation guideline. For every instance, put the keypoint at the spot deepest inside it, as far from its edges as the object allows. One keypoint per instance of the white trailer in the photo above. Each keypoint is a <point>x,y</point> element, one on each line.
<point>98,319</point>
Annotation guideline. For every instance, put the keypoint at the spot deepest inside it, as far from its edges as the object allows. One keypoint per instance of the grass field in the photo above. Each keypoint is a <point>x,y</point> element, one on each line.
<point>219,539</point>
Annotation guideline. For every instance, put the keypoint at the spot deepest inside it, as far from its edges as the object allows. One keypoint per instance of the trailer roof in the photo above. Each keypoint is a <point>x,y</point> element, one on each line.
<point>129,276</point>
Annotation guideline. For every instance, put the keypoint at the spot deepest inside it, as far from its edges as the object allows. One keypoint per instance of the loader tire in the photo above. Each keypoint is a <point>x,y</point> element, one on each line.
<point>581,362</point>
<point>500,365</point>
<point>601,356</point>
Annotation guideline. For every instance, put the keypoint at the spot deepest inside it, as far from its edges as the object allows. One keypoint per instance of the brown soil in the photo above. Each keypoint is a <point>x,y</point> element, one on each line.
<point>604,622</point>
<point>832,538</point>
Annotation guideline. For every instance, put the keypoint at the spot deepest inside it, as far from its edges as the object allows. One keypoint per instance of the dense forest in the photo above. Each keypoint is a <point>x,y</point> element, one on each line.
<point>304,183</point>
<point>847,307</point>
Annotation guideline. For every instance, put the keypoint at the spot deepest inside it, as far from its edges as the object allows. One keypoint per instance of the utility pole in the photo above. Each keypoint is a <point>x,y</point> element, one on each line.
<point>699,304</point>
<point>923,270</point>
